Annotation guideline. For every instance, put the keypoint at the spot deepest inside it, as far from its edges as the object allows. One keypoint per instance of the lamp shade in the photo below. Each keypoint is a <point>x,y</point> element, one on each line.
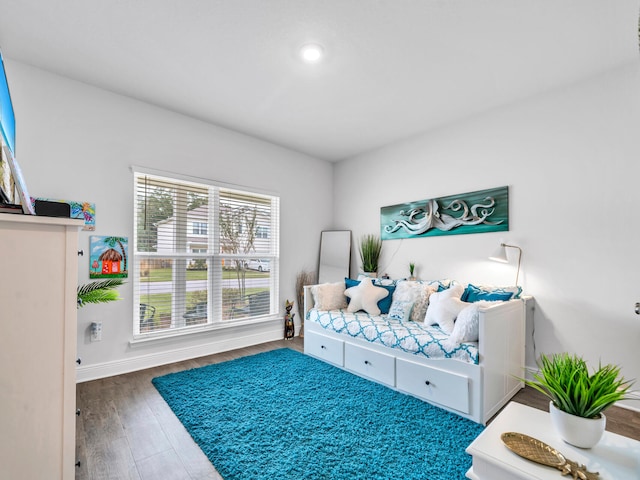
<point>500,255</point>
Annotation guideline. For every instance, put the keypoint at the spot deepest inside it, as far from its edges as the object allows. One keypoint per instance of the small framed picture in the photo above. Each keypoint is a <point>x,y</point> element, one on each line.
<point>108,257</point>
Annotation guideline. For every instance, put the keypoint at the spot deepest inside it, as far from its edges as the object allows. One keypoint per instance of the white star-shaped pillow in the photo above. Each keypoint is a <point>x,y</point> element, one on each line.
<point>365,296</point>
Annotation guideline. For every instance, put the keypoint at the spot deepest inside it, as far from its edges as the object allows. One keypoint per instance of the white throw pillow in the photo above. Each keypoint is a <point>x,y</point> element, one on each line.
<point>329,296</point>
<point>416,292</point>
<point>365,296</point>
<point>465,328</point>
<point>467,325</point>
<point>444,307</point>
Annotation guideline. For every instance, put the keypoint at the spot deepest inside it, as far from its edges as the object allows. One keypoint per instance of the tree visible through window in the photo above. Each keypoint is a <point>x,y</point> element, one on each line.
<point>194,243</point>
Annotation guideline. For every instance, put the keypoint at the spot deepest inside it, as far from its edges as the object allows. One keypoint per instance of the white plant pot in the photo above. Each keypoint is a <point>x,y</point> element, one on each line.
<point>577,431</point>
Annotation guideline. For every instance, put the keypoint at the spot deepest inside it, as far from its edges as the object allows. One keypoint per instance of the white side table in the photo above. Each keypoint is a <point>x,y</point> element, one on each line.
<point>615,457</point>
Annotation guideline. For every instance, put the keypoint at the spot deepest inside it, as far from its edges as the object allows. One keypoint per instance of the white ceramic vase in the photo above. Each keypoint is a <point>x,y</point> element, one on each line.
<point>577,431</point>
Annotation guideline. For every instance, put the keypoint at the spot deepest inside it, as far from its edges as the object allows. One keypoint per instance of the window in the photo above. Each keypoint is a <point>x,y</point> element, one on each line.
<point>262,232</point>
<point>199,228</point>
<point>194,244</point>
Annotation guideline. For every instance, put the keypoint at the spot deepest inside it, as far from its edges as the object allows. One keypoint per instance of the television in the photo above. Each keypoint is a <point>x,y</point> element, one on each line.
<point>14,197</point>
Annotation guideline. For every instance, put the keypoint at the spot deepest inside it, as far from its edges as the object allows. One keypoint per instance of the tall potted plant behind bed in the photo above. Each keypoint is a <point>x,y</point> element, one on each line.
<point>370,248</point>
<point>578,398</point>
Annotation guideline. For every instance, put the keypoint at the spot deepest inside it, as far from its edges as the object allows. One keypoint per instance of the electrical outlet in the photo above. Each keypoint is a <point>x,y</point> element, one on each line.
<point>96,331</point>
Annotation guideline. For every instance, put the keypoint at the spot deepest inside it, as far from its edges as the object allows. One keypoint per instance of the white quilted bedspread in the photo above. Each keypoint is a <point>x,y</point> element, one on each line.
<point>408,336</point>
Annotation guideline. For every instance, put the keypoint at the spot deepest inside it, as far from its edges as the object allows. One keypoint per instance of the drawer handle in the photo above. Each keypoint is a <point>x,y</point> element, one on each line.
<point>78,412</point>
<point>367,362</point>
<point>79,361</point>
<point>427,383</point>
<point>323,347</point>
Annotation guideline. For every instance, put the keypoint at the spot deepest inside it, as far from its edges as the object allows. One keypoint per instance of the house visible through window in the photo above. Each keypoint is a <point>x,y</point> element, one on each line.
<point>194,246</point>
<point>262,232</point>
<point>199,228</point>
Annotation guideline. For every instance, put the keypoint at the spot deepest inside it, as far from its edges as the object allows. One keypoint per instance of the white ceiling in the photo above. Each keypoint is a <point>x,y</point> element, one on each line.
<point>394,68</point>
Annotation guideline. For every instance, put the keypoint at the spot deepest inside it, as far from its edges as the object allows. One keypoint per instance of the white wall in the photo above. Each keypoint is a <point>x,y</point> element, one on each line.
<point>571,159</point>
<point>78,142</point>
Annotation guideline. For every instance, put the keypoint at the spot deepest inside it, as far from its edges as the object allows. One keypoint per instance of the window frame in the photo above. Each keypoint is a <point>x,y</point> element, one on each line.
<point>214,259</point>
<point>199,228</point>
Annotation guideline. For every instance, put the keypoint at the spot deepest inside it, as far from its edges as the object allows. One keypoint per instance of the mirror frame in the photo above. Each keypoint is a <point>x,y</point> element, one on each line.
<point>334,263</point>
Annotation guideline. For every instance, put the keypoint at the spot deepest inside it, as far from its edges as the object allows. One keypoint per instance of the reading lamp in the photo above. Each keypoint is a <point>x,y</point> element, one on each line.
<point>500,255</point>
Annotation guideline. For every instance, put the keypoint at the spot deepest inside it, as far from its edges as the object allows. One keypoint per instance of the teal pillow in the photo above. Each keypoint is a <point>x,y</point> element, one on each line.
<point>385,304</point>
<point>475,293</point>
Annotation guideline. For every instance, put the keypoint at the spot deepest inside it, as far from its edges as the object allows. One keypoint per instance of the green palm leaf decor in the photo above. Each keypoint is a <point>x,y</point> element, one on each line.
<point>99,292</point>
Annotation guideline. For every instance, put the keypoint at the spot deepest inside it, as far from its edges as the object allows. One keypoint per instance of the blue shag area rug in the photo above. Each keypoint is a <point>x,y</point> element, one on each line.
<point>285,415</point>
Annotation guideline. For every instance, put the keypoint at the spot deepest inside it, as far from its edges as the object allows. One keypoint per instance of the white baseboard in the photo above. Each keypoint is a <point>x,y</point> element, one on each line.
<point>141,362</point>
<point>628,407</point>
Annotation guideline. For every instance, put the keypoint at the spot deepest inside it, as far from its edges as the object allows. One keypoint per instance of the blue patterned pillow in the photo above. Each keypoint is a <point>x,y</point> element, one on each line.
<point>400,310</point>
<point>475,293</point>
<point>383,304</point>
<point>439,284</point>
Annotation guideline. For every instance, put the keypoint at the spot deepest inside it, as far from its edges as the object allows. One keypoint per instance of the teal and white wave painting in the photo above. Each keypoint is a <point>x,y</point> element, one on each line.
<point>475,212</point>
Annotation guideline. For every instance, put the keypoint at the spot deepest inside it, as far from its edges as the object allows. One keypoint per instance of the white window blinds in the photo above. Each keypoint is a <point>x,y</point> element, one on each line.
<point>204,254</point>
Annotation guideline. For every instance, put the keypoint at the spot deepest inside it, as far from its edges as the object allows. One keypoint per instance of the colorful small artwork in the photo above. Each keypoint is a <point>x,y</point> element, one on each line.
<point>474,212</point>
<point>109,257</point>
<point>83,210</point>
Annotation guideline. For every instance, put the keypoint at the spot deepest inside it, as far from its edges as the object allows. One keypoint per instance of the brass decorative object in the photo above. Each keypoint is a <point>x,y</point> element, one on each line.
<point>536,451</point>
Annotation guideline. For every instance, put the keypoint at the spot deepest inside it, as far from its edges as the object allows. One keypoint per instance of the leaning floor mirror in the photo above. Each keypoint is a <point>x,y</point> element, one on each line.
<point>335,256</point>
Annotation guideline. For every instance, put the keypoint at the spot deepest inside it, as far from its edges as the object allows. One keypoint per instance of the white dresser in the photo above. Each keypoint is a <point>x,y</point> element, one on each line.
<point>615,457</point>
<point>38,281</point>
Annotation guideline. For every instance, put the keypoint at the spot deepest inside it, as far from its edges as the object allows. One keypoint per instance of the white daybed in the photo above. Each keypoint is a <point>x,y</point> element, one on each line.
<point>475,389</point>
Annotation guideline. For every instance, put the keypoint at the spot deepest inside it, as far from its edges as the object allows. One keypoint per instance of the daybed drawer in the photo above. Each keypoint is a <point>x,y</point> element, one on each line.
<point>375,365</point>
<point>328,349</point>
<point>434,385</point>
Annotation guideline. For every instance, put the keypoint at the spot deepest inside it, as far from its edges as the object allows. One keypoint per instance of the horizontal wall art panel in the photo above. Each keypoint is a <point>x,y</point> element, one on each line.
<point>474,212</point>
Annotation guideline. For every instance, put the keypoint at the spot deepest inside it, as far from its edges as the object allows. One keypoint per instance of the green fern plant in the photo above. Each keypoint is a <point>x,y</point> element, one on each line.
<point>412,267</point>
<point>566,381</point>
<point>370,248</point>
<point>102,291</point>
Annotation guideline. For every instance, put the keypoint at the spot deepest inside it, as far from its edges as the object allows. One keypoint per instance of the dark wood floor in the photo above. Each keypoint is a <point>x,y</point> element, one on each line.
<point>127,431</point>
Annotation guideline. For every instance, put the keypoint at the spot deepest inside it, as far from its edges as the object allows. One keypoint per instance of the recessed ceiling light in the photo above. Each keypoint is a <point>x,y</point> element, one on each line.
<point>311,53</point>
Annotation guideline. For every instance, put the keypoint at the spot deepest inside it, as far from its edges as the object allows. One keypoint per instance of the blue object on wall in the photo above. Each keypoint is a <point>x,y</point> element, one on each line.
<point>474,212</point>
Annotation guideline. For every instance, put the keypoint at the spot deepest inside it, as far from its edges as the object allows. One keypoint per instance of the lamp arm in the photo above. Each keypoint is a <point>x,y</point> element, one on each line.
<point>519,258</point>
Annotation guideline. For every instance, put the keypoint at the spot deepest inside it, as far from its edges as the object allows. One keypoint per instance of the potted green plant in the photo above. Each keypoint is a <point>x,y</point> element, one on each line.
<point>412,267</point>
<point>577,397</point>
<point>370,248</point>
